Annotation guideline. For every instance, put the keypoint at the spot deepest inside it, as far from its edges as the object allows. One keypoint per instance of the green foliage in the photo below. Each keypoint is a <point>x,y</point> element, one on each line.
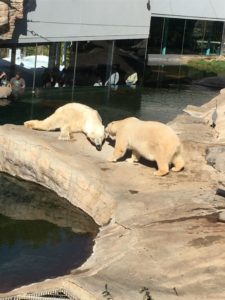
<point>41,50</point>
<point>209,66</point>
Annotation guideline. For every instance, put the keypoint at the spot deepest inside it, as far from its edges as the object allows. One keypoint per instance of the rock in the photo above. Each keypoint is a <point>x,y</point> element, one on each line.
<point>221,216</point>
<point>10,11</point>
<point>212,82</point>
<point>213,113</point>
<point>165,235</point>
<point>215,156</point>
<point>4,14</point>
<point>74,181</point>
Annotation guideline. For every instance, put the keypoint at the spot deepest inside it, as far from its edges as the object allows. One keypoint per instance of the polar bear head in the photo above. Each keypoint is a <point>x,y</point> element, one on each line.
<point>96,135</point>
<point>111,130</point>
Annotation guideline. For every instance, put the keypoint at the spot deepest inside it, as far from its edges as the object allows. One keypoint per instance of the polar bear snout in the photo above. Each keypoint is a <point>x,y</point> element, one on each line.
<point>98,143</point>
<point>97,137</point>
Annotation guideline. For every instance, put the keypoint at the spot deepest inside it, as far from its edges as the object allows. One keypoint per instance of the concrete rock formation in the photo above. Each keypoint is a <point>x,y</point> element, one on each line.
<point>161,233</point>
<point>212,113</point>
<point>215,157</point>
<point>9,11</point>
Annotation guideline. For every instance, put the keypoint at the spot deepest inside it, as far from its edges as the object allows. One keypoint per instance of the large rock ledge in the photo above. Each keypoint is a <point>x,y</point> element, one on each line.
<point>163,233</point>
<point>39,157</point>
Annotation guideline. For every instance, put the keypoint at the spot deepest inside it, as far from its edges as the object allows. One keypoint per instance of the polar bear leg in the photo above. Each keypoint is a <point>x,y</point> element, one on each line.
<point>134,157</point>
<point>119,151</point>
<point>64,133</point>
<point>46,124</point>
<point>163,167</point>
<point>178,163</point>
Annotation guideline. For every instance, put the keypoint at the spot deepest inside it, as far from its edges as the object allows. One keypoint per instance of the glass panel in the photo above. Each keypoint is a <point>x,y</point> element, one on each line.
<point>174,36</point>
<point>93,62</point>
<point>194,36</point>
<point>212,42</point>
<point>156,33</point>
<point>203,37</point>
<point>22,60</point>
<point>222,50</point>
<point>129,61</point>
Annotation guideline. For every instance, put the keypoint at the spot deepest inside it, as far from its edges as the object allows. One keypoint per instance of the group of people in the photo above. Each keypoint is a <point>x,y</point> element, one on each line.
<point>115,77</point>
<point>56,78</point>
<point>16,83</point>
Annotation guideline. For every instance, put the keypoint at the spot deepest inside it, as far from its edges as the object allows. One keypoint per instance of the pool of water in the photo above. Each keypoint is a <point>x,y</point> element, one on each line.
<point>41,235</point>
<point>146,103</point>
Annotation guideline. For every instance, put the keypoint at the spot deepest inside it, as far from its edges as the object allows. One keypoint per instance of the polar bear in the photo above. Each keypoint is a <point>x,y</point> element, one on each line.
<point>72,118</point>
<point>151,140</point>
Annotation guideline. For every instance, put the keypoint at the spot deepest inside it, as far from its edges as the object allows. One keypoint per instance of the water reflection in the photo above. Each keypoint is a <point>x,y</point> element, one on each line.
<point>27,201</point>
<point>41,235</point>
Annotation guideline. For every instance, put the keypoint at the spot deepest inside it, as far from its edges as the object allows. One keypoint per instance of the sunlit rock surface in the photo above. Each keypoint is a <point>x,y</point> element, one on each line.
<point>213,113</point>
<point>64,167</point>
<point>9,11</point>
<point>163,233</point>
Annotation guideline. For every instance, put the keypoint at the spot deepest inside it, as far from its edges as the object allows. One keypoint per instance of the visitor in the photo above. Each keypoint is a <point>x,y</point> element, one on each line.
<point>132,79</point>
<point>113,79</point>
<point>98,83</point>
<point>46,78</point>
<point>18,85</point>
<point>3,79</point>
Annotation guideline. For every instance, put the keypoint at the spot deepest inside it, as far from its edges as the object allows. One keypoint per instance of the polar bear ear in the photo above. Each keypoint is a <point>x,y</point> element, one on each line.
<point>109,125</point>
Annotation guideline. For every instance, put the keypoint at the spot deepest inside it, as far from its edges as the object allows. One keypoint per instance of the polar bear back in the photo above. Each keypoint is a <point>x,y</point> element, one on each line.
<point>78,110</point>
<point>78,116</point>
<point>148,137</point>
<point>147,130</point>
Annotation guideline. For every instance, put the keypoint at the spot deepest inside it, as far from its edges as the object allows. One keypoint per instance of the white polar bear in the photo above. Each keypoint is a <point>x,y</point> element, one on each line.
<point>151,140</point>
<point>72,118</point>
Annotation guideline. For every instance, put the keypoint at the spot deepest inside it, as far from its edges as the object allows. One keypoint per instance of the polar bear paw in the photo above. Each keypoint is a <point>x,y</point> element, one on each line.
<point>111,159</point>
<point>30,124</point>
<point>131,160</point>
<point>64,137</point>
<point>161,173</point>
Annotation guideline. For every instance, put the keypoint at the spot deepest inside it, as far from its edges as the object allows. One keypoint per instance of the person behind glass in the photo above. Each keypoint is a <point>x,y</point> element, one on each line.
<point>18,85</point>
<point>4,80</point>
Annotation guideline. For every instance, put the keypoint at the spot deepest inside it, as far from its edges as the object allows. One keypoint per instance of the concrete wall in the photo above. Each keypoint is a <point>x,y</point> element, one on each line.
<point>75,20</point>
<point>189,9</point>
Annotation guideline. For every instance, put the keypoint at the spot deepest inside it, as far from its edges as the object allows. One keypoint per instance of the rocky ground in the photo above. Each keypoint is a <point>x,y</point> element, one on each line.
<point>166,234</point>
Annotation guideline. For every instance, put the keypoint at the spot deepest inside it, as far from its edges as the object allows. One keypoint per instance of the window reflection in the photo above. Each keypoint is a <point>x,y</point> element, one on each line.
<point>179,36</point>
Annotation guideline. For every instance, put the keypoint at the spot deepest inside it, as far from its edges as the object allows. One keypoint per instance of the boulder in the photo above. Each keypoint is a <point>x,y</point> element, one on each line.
<point>212,82</point>
<point>212,113</point>
<point>215,157</point>
<point>10,11</point>
<point>4,14</point>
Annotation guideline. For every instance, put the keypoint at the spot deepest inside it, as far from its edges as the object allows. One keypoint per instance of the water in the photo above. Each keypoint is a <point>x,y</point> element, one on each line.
<point>159,104</point>
<point>41,235</point>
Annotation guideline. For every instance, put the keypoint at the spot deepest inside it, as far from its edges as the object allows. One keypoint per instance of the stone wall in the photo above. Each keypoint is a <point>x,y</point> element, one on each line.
<point>10,10</point>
